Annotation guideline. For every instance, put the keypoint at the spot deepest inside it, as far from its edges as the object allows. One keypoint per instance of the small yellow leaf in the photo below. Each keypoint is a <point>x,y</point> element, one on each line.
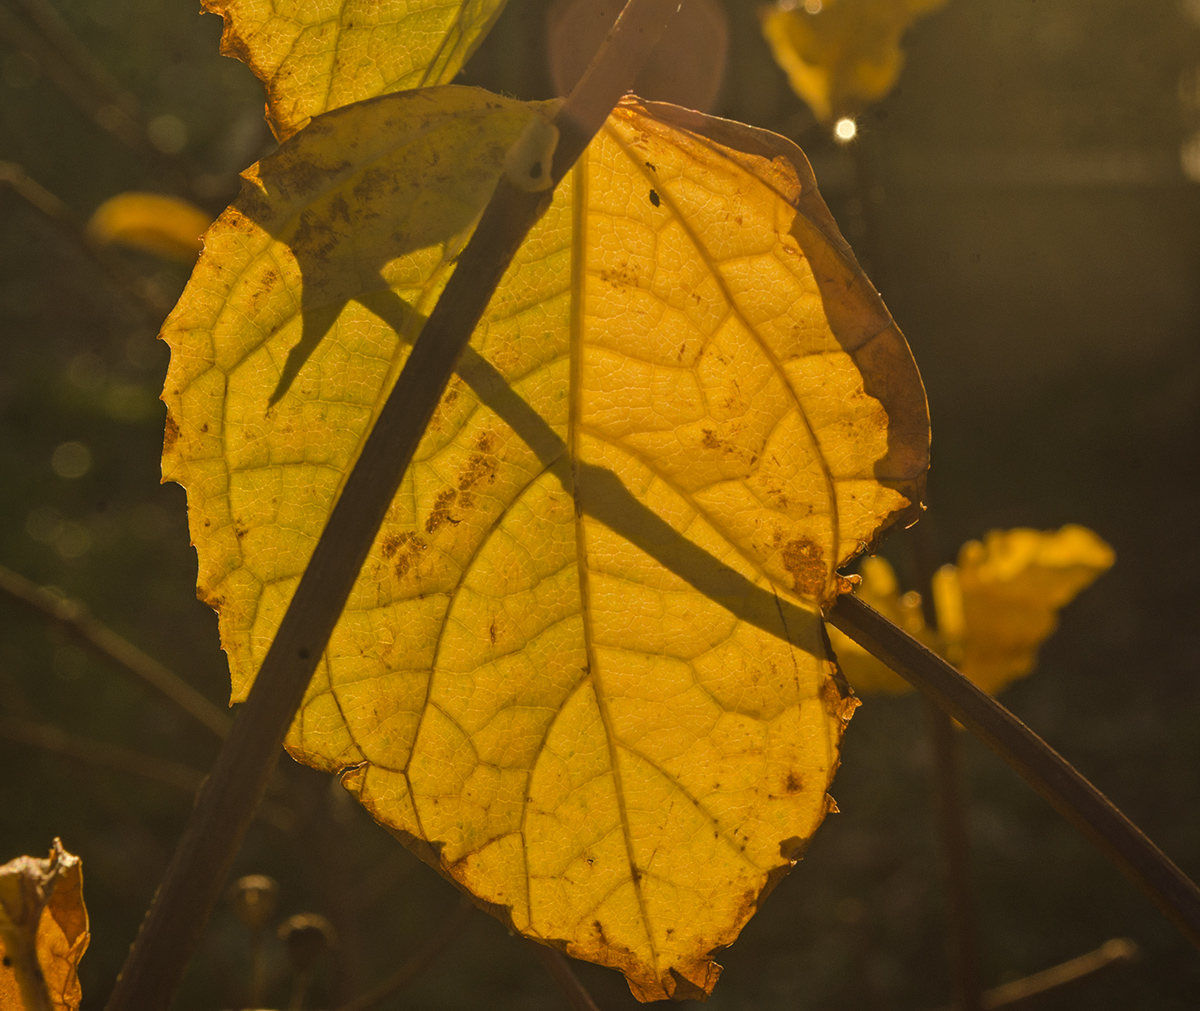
<point>318,55</point>
<point>582,671</point>
<point>165,226</point>
<point>43,931</point>
<point>1012,587</point>
<point>994,609</point>
<point>841,55</point>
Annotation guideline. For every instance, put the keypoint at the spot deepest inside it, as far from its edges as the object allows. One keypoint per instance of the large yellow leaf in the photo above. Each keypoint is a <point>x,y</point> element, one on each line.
<point>43,930</point>
<point>317,55</point>
<point>841,55</point>
<point>994,609</point>
<point>583,670</point>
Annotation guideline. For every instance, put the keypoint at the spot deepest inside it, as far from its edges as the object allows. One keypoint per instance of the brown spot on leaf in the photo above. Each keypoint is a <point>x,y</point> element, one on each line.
<point>406,548</point>
<point>794,783</point>
<point>805,561</point>
<point>441,511</point>
<point>492,636</point>
<point>622,276</point>
<point>710,440</point>
<point>170,433</point>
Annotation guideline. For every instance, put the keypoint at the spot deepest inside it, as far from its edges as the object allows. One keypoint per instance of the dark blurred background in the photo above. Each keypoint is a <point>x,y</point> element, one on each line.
<point>1028,201</point>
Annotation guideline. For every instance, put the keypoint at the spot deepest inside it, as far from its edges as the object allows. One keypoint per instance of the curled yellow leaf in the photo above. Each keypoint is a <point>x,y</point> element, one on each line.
<point>43,932</point>
<point>1012,586</point>
<point>994,608</point>
<point>582,672</point>
<point>841,55</point>
<point>163,225</point>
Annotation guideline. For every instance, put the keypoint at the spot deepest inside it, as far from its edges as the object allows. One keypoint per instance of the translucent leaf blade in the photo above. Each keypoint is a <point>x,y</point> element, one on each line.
<point>317,56</point>
<point>579,673</point>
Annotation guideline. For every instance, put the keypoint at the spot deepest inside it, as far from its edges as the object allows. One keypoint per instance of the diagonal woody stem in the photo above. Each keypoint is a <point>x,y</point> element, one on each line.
<point>1033,759</point>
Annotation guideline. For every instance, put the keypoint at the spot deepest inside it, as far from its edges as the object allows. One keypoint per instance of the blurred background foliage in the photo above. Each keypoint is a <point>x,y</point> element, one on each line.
<point>1026,199</point>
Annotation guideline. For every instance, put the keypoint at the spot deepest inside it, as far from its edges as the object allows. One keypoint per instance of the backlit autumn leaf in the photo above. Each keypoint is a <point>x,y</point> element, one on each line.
<point>317,55</point>
<point>841,55</point>
<point>153,222</point>
<point>583,670</point>
<point>43,930</point>
<point>994,608</point>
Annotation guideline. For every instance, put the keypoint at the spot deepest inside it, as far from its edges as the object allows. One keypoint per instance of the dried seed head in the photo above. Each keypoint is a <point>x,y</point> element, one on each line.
<point>253,900</point>
<point>307,936</point>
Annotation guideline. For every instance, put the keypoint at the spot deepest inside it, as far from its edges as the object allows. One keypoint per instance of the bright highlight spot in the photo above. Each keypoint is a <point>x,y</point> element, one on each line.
<point>845,129</point>
<point>813,6</point>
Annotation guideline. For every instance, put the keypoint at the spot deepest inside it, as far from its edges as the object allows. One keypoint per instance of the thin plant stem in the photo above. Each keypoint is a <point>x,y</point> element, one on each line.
<point>85,83</point>
<point>74,617</point>
<point>1119,949</point>
<point>192,883</point>
<point>1113,952</point>
<point>121,276</point>
<point>59,36</point>
<point>950,802</point>
<point>1033,759</point>
<point>557,965</point>
<point>416,965</point>
<point>92,102</point>
<point>93,753</point>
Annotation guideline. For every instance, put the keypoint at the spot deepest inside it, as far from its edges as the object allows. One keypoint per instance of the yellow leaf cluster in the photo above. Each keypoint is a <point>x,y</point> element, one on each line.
<point>841,55</point>
<point>318,55</point>
<point>163,225</point>
<point>43,932</point>
<point>994,608</point>
<point>582,671</point>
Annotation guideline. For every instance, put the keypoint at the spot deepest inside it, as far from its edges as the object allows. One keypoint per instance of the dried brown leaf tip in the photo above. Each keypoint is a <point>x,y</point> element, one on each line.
<point>43,932</point>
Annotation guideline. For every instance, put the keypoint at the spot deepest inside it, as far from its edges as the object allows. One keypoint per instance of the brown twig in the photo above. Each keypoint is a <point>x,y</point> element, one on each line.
<point>956,853</point>
<point>557,965</point>
<point>93,753</point>
<point>128,282</point>
<point>416,965</point>
<point>1119,949</point>
<point>950,802</point>
<point>60,37</point>
<point>1036,762</point>
<point>74,616</point>
<point>193,880</point>
<point>91,100</point>
<point>90,752</point>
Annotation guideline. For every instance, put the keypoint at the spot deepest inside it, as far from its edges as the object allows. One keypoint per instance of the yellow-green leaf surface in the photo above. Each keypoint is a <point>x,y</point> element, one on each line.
<point>583,670</point>
<point>317,55</point>
<point>995,608</point>
<point>841,55</point>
